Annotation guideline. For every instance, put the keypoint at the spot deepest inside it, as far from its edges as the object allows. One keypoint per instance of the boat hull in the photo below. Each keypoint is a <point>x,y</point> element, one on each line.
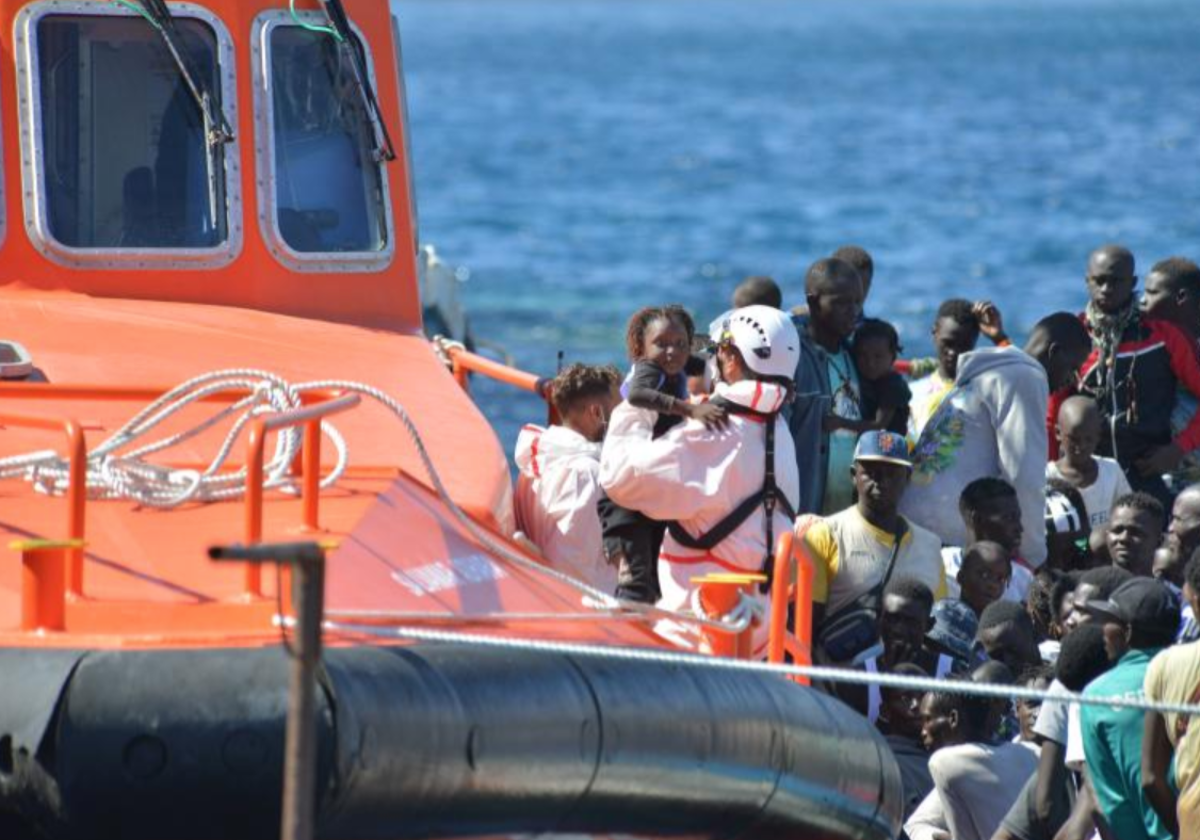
<point>431,741</point>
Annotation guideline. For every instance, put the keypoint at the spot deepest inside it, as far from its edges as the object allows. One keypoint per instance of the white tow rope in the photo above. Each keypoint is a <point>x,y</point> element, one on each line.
<point>849,676</point>
<point>118,469</point>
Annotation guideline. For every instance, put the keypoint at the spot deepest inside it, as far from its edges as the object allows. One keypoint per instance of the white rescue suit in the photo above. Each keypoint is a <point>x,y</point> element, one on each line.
<point>697,476</point>
<point>558,485</point>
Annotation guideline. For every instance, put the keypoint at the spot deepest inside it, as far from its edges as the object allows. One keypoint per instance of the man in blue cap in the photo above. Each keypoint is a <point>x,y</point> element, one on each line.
<point>1139,619</point>
<point>858,550</point>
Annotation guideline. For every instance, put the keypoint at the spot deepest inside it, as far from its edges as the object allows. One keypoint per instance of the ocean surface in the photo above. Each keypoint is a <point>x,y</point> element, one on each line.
<point>583,159</point>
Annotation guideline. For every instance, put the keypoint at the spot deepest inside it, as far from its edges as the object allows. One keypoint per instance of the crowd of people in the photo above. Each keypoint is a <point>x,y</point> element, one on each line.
<point>1000,514</point>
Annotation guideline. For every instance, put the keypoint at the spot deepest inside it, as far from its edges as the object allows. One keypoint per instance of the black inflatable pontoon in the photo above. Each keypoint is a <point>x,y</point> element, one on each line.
<point>430,741</point>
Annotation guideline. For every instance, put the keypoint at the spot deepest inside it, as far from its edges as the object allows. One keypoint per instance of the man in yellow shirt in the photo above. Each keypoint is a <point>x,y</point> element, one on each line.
<point>855,551</point>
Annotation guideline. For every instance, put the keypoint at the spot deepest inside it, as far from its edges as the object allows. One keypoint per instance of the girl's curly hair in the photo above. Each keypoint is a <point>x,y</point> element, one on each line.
<point>640,321</point>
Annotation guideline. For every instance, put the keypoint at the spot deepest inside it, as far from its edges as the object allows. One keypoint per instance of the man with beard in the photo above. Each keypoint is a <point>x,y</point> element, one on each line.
<point>1136,365</point>
<point>1183,532</point>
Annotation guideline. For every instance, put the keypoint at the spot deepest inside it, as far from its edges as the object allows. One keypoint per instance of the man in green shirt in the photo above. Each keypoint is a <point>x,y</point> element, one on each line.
<point>1140,618</point>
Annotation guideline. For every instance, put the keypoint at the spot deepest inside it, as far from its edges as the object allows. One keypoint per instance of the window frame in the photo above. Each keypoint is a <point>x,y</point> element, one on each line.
<point>264,159</point>
<point>402,91</point>
<point>35,197</point>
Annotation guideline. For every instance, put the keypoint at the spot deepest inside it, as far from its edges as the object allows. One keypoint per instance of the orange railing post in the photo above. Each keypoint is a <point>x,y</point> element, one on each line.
<point>791,553</point>
<point>44,582</point>
<point>76,452</point>
<point>76,503</point>
<point>309,417</point>
<point>461,374</point>
<point>803,605</point>
<point>781,577</point>
<point>311,492</point>
<point>255,447</point>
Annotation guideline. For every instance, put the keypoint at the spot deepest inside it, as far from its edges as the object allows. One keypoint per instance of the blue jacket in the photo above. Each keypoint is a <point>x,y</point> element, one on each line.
<point>813,401</point>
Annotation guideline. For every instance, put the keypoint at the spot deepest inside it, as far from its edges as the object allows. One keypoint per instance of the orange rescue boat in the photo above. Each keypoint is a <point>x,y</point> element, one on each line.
<point>211,333</point>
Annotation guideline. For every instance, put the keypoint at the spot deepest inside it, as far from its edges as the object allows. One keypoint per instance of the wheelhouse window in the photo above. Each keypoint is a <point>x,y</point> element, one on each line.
<point>328,186</point>
<point>125,157</point>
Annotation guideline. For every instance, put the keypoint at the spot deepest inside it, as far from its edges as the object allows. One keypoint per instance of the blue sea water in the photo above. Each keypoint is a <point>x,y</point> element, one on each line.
<point>587,158</point>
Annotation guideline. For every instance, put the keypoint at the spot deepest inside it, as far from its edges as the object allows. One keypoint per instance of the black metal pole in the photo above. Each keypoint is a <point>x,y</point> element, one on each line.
<point>300,758</point>
<point>307,560</point>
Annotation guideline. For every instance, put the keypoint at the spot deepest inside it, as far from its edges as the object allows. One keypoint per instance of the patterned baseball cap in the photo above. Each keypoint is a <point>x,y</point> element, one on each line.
<point>883,446</point>
<point>954,627</point>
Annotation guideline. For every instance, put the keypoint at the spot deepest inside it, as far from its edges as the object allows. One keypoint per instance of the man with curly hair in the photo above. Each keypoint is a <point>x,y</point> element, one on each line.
<point>558,475</point>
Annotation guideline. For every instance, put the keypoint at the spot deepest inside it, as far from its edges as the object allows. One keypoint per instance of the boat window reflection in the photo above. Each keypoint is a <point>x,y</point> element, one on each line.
<point>126,162</point>
<point>328,186</point>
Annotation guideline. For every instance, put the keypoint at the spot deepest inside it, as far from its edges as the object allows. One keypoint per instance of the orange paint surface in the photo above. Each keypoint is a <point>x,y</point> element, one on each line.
<point>110,340</point>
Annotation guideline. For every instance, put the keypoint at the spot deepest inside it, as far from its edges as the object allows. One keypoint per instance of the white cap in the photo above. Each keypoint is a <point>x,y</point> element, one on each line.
<point>766,337</point>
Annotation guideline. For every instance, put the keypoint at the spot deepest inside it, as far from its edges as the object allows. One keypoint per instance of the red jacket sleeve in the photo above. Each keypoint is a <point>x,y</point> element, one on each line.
<point>1185,363</point>
<point>1057,398</point>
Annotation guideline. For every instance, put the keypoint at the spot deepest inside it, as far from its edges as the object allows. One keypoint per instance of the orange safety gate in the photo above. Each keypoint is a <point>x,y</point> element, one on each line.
<point>796,643</point>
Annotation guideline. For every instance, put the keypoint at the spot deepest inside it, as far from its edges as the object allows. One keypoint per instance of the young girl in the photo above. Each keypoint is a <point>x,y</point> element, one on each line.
<point>659,341</point>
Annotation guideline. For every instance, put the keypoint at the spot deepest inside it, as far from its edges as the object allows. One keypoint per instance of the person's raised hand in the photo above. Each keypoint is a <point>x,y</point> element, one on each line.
<point>991,322</point>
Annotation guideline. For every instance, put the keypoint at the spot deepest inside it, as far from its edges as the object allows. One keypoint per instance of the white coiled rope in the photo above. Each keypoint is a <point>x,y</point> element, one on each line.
<point>118,469</point>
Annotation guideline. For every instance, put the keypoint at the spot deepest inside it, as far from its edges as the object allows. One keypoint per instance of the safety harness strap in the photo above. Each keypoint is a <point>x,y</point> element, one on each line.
<point>769,496</point>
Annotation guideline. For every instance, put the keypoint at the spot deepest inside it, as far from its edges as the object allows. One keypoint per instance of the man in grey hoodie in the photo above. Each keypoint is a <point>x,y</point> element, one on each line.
<point>993,423</point>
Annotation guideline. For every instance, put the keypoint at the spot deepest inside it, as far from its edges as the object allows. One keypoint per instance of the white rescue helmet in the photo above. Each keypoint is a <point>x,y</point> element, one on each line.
<point>767,339</point>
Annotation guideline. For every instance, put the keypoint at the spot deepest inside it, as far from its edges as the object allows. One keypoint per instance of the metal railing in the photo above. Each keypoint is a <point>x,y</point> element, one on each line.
<point>463,363</point>
<point>76,455</point>
<point>310,418</point>
<point>53,569</point>
<point>791,555</point>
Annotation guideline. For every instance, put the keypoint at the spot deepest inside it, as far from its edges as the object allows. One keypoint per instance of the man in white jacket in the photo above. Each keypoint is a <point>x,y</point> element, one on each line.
<point>993,423</point>
<point>696,478</point>
<point>558,481</point>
